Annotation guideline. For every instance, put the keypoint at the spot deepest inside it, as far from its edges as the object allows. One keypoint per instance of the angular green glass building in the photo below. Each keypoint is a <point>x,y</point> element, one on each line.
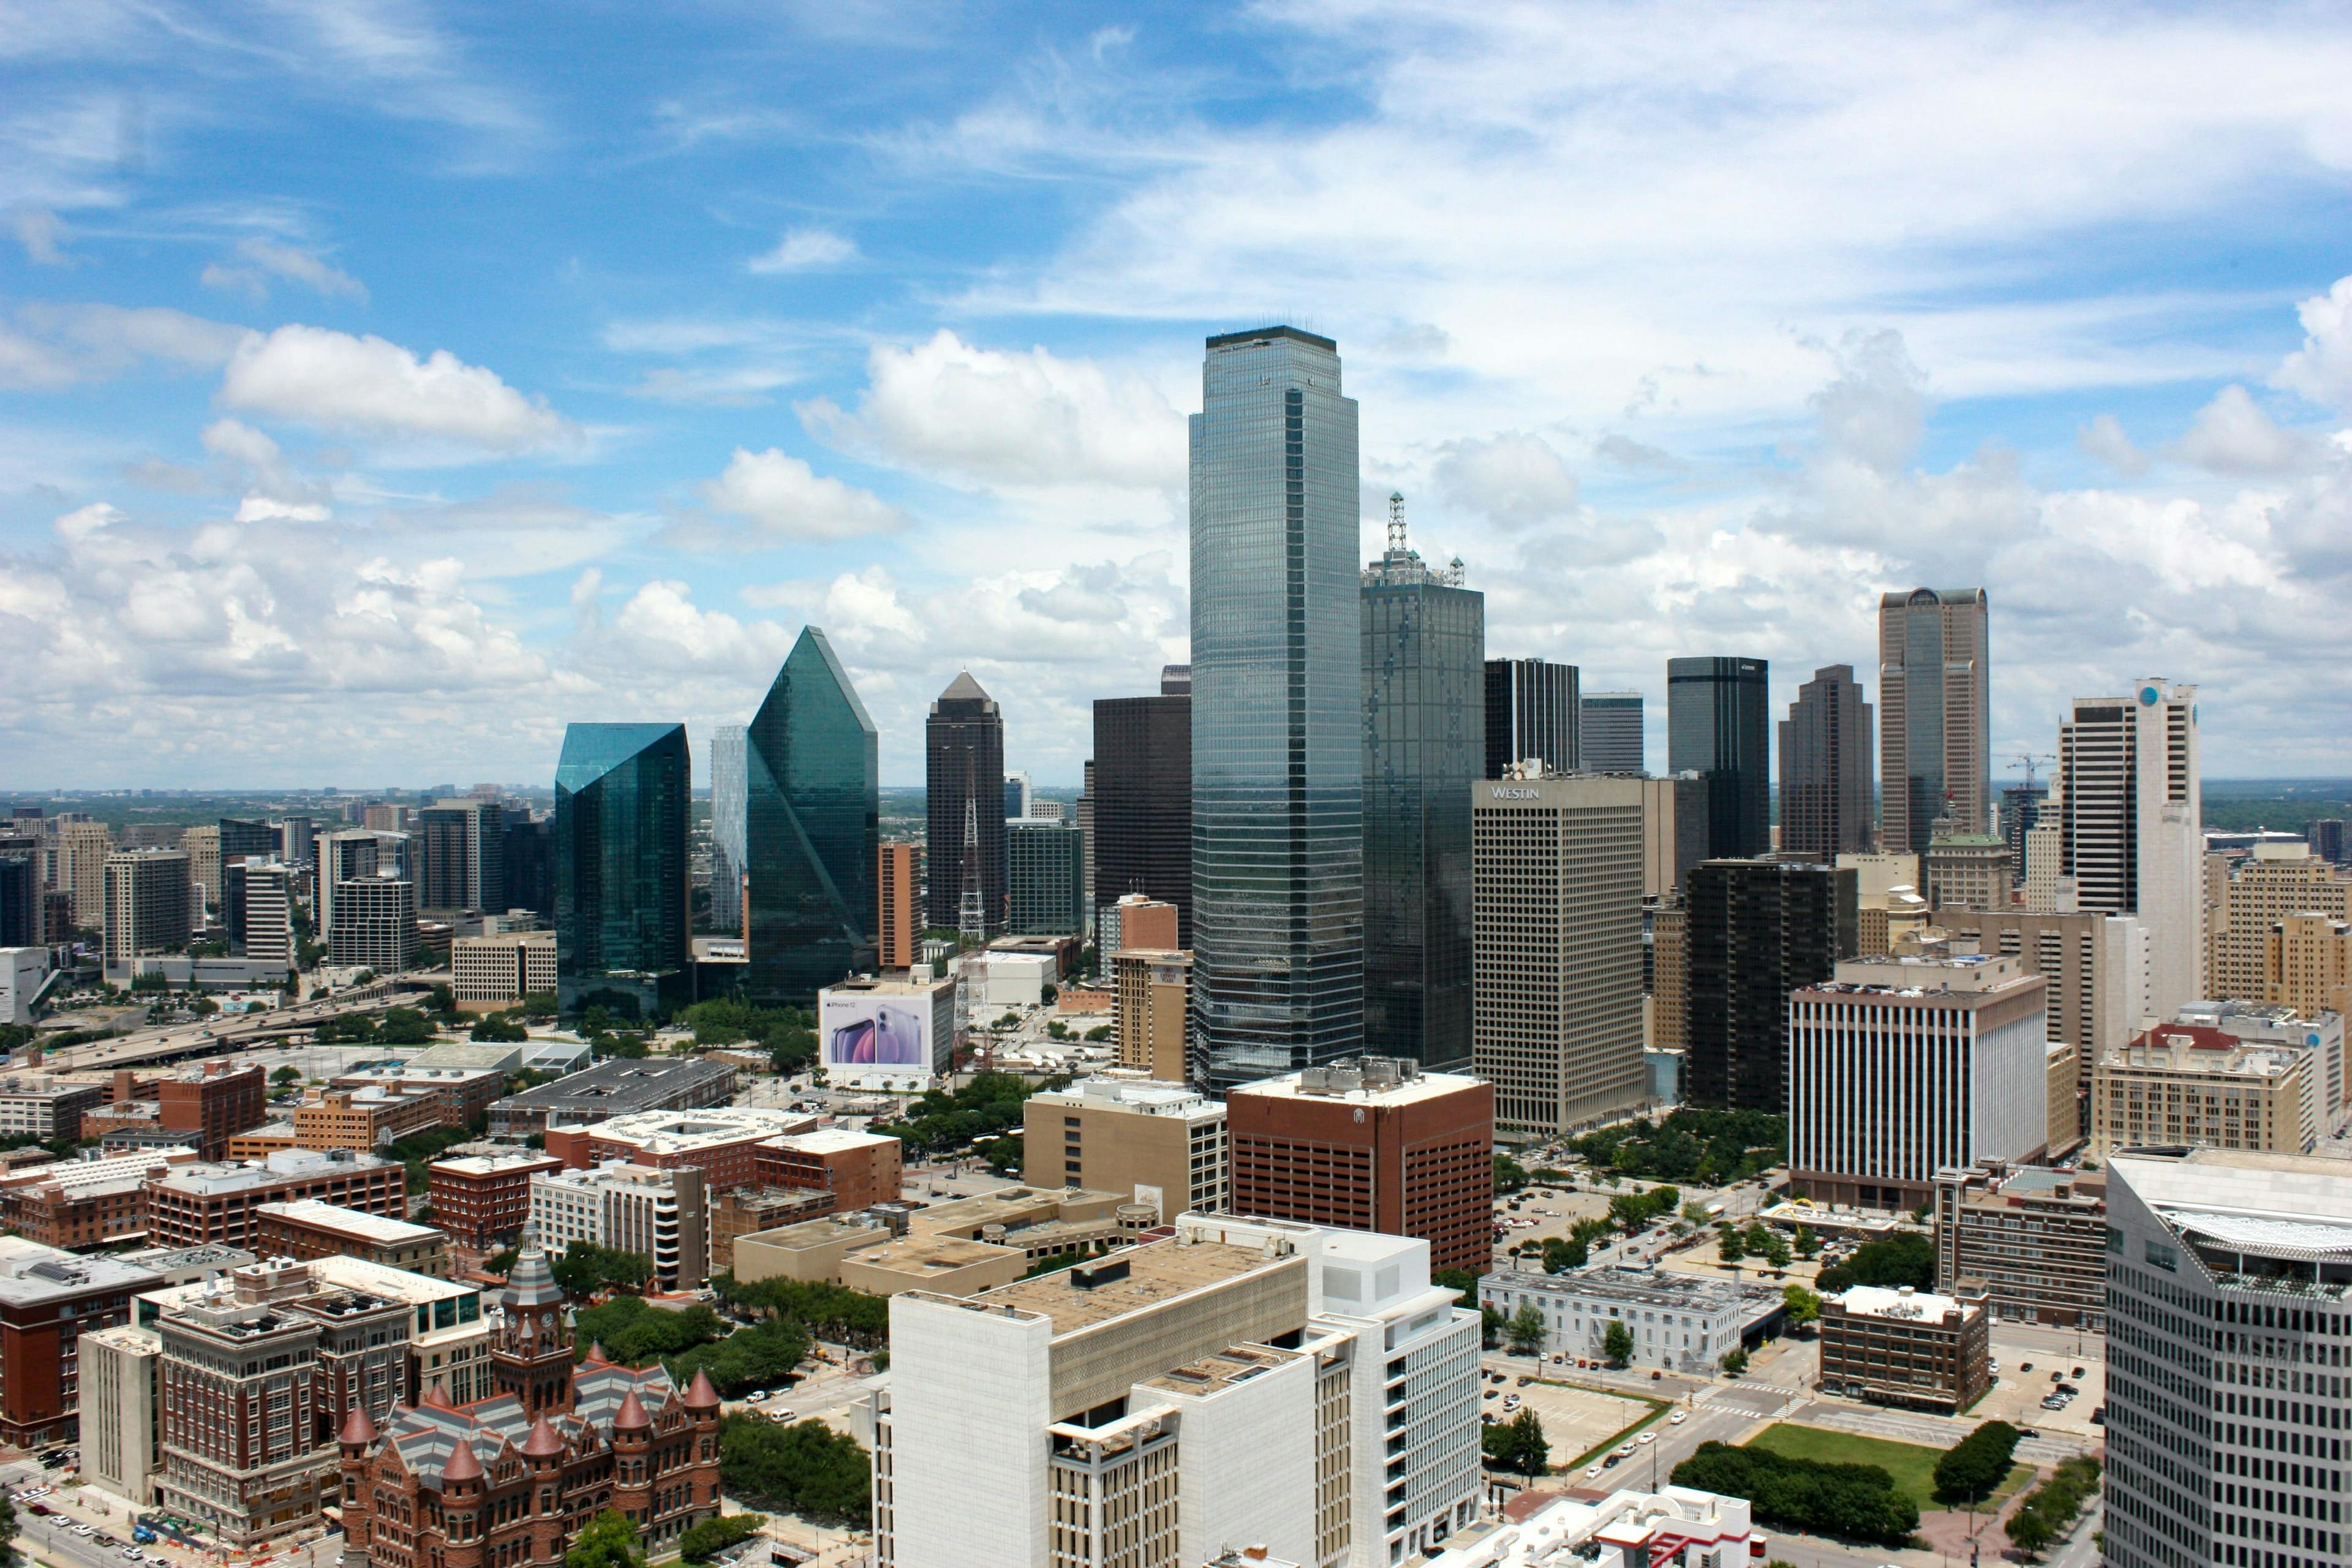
<point>622,895</point>
<point>812,839</point>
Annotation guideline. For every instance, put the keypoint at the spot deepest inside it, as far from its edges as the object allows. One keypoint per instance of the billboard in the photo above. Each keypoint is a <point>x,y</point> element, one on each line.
<point>860,1030</point>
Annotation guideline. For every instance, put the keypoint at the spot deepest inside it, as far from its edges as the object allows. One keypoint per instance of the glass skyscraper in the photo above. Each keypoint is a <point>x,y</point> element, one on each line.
<point>1825,762</point>
<point>1532,713</point>
<point>1046,878</point>
<point>812,839</point>
<point>1934,715</point>
<point>1425,679</point>
<point>728,828</point>
<point>621,876</point>
<point>1278,711</point>
<point>1143,800</point>
<point>1609,733</point>
<point>1718,724</point>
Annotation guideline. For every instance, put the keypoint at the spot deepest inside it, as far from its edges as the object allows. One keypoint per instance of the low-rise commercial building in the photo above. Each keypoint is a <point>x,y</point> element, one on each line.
<point>461,1093</point>
<point>48,1300</point>
<point>76,1203</point>
<point>362,1118</point>
<point>1678,1322</point>
<point>203,1104</point>
<point>615,1087</point>
<point>45,1107</point>
<point>210,1204</point>
<point>954,1248</point>
<point>306,1229</point>
<point>1903,1346</point>
<point>1162,1142</point>
<point>722,1142</point>
<point>488,974</point>
<point>857,1170</point>
<point>2035,1238</point>
<point>656,1214</point>
<point>2182,1084</point>
<point>483,1201</point>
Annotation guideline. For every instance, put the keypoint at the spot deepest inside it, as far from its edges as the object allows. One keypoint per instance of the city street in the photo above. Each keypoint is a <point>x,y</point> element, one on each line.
<point>52,1539</point>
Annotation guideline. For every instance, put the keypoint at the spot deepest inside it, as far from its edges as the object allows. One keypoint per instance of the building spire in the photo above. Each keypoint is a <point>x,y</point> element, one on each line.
<point>1396,523</point>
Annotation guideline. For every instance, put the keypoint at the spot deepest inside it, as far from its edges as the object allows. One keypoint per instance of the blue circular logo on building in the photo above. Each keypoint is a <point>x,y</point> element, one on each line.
<point>2147,696</point>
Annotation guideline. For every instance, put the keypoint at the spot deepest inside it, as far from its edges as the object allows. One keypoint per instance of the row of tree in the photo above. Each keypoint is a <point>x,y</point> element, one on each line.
<point>940,1122</point>
<point>806,1468</point>
<point>2049,1511</point>
<point>1906,1257</point>
<point>1714,1148</point>
<point>1971,1467</point>
<point>833,1313</point>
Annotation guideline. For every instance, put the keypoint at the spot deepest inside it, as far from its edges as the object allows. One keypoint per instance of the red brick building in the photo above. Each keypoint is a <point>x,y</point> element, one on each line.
<point>48,1300</point>
<point>718,1141</point>
<point>74,1204</point>
<point>210,1204</point>
<point>1371,1145</point>
<point>482,1200</point>
<point>203,1106</point>
<point>859,1169</point>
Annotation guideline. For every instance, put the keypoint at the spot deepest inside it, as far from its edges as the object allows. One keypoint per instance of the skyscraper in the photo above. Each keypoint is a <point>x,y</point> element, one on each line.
<point>1277,691</point>
<point>1825,768</point>
<point>1046,870</point>
<point>622,794</point>
<point>529,851</point>
<point>727,829</point>
<point>1143,800</point>
<point>1718,724</point>
<point>1760,930</point>
<point>2021,809</point>
<point>464,844</point>
<point>1609,737</point>
<point>1532,711</point>
<point>2130,806</point>
<point>966,789</point>
<point>1934,715</point>
<point>812,816</point>
<point>1425,720</point>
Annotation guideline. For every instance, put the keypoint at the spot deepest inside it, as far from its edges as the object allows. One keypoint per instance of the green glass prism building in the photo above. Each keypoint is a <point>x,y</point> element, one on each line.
<point>1278,711</point>
<point>623,889</point>
<point>811,806</point>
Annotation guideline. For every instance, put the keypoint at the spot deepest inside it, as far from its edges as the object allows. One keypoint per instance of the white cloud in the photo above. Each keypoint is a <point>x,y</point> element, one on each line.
<point>1517,479</point>
<point>370,386</point>
<point>259,260</point>
<point>42,235</point>
<point>58,345</point>
<point>803,251</point>
<point>2322,369</point>
<point>2104,439</point>
<point>2232,435</point>
<point>775,497</point>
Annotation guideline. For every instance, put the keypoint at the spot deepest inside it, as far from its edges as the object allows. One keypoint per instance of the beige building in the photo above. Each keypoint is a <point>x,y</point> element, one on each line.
<point>121,1439</point>
<point>2048,892</point>
<point>1886,899</point>
<point>2307,965</point>
<point>2064,1085</point>
<point>1968,871</point>
<point>1666,1018</point>
<point>2035,1238</point>
<point>82,851</point>
<point>975,1244</point>
<point>145,904</point>
<point>1674,832</point>
<point>490,972</point>
<point>2183,1084</point>
<point>2247,902</point>
<point>203,845</point>
<point>1162,1143</point>
<point>1152,989</point>
<point>2095,965</point>
<point>660,1215</point>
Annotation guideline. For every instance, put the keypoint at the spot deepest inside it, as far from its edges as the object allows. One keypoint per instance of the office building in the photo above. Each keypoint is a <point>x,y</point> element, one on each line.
<point>1424,647</point>
<point>2223,1284</point>
<point>78,1204</point>
<point>363,1117</point>
<point>2129,804</point>
<point>1556,1014</point>
<point>296,841</point>
<point>374,925</point>
<point>45,1107</point>
<point>342,855</point>
<point>213,1204</point>
<point>1375,1145</point>
<point>2095,966</point>
<point>1151,994</point>
<point>461,848</point>
<point>491,974</point>
<point>2329,840</point>
<point>1609,738</point>
<point>1277,711</point>
<point>145,906</point>
<point>1020,793</point>
<point>658,1215</point>
<point>482,1201</point>
<point>622,804</point>
<point>1533,715</point>
<point>1142,794</point>
<point>2035,1238</point>
<point>122,1435</point>
<point>1680,1323</point>
<point>512,1476</point>
<point>729,826</point>
<point>1134,920</point>
<point>1045,877</point>
<point>2307,965</point>
<point>955,1249</point>
<point>1968,871</point>
<point>24,973</point>
<point>48,1300</point>
<point>813,815</point>
<point>82,850</point>
<point>1669,992</point>
<point>964,799</point>
<point>306,1229</point>
<point>21,861</point>
<point>2021,809</point>
<point>1899,1068</point>
<point>1908,1347</point>
<point>1887,901</point>
<point>203,845</point>
<point>724,1142</point>
<point>2247,901</point>
<point>2185,1085</point>
<point>1825,768</point>
<point>1934,715</point>
<point>1674,833</point>
<point>1232,1384</point>
<point>1761,931</point>
<point>899,895</point>
<point>1718,725</point>
<point>1162,1143</point>
<point>615,1087</point>
<point>203,1104</point>
<point>530,861</point>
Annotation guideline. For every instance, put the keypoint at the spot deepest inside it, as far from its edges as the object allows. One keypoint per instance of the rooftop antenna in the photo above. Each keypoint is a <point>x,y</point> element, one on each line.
<point>1396,523</point>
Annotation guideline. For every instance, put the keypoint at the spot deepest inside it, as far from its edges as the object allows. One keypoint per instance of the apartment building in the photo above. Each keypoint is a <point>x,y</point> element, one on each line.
<point>2245,902</point>
<point>45,1107</point>
<point>1908,1347</point>
<point>213,1204</point>
<point>372,923</point>
<point>722,1141</point>
<point>2035,1238</point>
<point>306,1229</point>
<point>75,1204</point>
<point>2181,1084</point>
<point>146,906</point>
<point>482,1201</point>
<point>1162,1142</point>
<point>1151,991</point>
<point>203,1104</point>
<point>49,1298</point>
<point>1307,1391</point>
<point>488,974</point>
<point>658,1215</point>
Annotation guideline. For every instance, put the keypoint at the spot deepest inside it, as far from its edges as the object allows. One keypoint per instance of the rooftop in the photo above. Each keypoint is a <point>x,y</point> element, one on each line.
<point>74,1175</point>
<point>1136,1096</point>
<point>894,985</point>
<point>1007,1206</point>
<point>678,1132</point>
<point>1156,1271</point>
<point>491,1165</point>
<point>1966,973</point>
<point>39,1089</point>
<point>1211,1374</point>
<point>1635,1287</point>
<point>285,1166</point>
<point>1372,1080</point>
<point>350,1222</point>
<point>620,1085</point>
<point>382,1280</point>
<point>830,1141</point>
<point>913,1254</point>
<point>1878,1302</point>
<point>32,1274</point>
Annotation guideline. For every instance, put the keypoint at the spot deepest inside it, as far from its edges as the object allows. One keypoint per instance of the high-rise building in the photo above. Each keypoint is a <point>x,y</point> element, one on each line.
<point>1151,991</point>
<point>2097,967</point>
<point>265,933</point>
<point>813,813</point>
<point>82,850</point>
<point>1825,762</point>
<point>1967,871</point>
<point>1424,719</point>
<point>622,804</point>
<point>2021,809</point>
<point>1901,1067</point>
<point>2130,804</point>
<point>1020,796</point>
<point>1761,931</point>
<point>491,974</point>
<point>530,860</point>
<point>2220,1278</point>
<point>2249,900</point>
<point>296,838</point>
<point>463,847</point>
<point>1045,874</point>
<point>20,895</point>
<point>1609,738</point>
<point>1143,800</point>
<point>203,845</point>
<point>965,793</point>
<point>2329,840</point>
<point>1532,714</point>
<point>1674,832</point>
<point>1556,1001</point>
<point>341,856</point>
<point>1082,812</point>
<point>1277,720</point>
<point>1375,1145</point>
<point>898,896</point>
<point>1718,724</point>
<point>1157,1143</point>
<point>1934,715</point>
<point>1669,989</point>
<point>375,924</point>
<point>2180,1084</point>
<point>145,903</point>
<point>242,839</point>
<point>2307,965</point>
<point>729,826</point>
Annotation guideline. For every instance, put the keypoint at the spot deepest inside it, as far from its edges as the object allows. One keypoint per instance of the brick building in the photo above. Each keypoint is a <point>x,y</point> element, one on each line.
<point>462,1093</point>
<point>2035,1238</point>
<point>1908,1347</point>
<point>204,1105</point>
<point>859,1169</point>
<point>205,1204</point>
<point>46,1108</point>
<point>48,1300</point>
<point>306,1229</point>
<point>75,1204</point>
<point>1375,1145</point>
<point>482,1200</point>
<point>363,1117</point>
<point>718,1141</point>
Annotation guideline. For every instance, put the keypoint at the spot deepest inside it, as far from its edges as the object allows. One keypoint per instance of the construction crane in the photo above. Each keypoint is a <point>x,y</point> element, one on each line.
<point>2028,759</point>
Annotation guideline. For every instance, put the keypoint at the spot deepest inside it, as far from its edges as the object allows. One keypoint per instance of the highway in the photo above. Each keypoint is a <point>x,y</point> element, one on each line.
<point>221,1032</point>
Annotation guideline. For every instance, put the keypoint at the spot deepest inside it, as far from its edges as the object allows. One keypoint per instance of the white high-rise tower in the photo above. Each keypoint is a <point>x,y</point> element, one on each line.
<point>2131,816</point>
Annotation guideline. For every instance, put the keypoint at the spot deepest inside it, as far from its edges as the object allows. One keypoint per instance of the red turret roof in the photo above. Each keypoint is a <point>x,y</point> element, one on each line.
<point>543,1441</point>
<point>357,1428</point>
<point>699,1393</point>
<point>596,1352</point>
<point>632,1413</point>
<point>438,1397</point>
<point>462,1465</point>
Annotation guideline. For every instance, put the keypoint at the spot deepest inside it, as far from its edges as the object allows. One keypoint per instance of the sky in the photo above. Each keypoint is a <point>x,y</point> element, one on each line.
<point>384,386</point>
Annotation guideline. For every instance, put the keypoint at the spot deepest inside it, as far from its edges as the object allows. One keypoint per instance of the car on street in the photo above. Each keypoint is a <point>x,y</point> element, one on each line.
<point>1591,1471</point>
<point>1648,1437</point>
<point>1678,1417</point>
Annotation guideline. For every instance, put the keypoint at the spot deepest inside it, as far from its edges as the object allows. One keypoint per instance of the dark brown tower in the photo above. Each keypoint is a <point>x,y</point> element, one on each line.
<point>530,1357</point>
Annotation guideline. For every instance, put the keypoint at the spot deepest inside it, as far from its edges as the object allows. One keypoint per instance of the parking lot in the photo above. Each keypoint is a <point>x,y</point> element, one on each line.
<point>1574,1419</point>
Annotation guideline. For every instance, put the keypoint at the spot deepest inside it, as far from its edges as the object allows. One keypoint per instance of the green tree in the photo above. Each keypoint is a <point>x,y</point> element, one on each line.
<point>500,1029</point>
<point>1804,1307</point>
<point>441,1000</point>
<point>1510,1176</point>
<point>1729,1246</point>
<point>585,1268</point>
<point>1890,1261</point>
<point>806,1468</point>
<point>1004,1155</point>
<point>286,1075</point>
<point>7,1524</point>
<point>1859,1503</point>
<point>1971,1468</point>
<point>1617,1344</point>
<point>1808,1244</point>
<point>1526,1329</point>
<point>539,1006</point>
<point>1517,1445</point>
<point>2030,1531</point>
<point>1490,1325</point>
<point>500,1263</point>
<point>404,1027</point>
<point>1734,1361</point>
<point>609,1541</point>
<point>713,1536</point>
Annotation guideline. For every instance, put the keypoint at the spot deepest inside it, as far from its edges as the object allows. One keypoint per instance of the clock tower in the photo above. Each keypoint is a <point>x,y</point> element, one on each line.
<point>531,1354</point>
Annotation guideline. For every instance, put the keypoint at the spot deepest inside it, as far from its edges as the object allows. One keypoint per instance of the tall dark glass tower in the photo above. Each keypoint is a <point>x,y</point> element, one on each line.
<point>1425,674</point>
<point>1718,724</point>
<point>1758,929</point>
<point>622,887</point>
<point>812,829</point>
<point>1143,800</point>
<point>529,870</point>
<point>1825,768</point>
<point>963,774</point>
<point>1934,699</point>
<point>1531,711</point>
<point>1609,733</point>
<point>1278,711</point>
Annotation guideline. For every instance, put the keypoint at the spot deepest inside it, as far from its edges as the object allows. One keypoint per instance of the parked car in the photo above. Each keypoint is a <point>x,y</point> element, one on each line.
<point>2025,1366</point>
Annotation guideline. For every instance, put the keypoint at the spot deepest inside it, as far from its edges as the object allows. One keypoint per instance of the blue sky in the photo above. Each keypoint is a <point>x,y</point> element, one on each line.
<point>383,385</point>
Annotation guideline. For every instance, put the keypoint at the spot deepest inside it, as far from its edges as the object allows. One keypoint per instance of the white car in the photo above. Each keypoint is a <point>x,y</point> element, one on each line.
<point>1591,1472</point>
<point>1648,1437</point>
<point>1678,1417</point>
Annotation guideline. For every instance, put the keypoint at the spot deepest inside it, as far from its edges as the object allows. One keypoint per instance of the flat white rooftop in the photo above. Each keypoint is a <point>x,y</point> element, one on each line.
<point>1878,1302</point>
<point>350,1222</point>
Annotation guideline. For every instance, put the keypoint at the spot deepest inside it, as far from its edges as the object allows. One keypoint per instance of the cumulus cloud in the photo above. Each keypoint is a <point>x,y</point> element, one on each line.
<point>804,250</point>
<point>369,386</point>
<point>2232,435</point>
<point>1517,479</point>
<point>772,497</point>
<point>2322,369</point>
<point>260,260</point>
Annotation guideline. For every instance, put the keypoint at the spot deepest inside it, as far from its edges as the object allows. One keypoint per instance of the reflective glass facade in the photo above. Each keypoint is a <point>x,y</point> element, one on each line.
<point>1932,705</point>
<point>1825,768</point>
<point>621,875</point>
<point>812,839</point>
<point>1718,724</point>
<point>1532,713</point>
<point>729,828</point>
<point>1425,742</point>
<point>1278,711</point>
<point>966,793</point>
<point>1045,872</point>
<point>1143,802</point>
<point>1609,733</point>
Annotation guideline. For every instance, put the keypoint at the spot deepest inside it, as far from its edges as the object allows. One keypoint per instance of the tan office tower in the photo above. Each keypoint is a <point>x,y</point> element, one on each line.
<point>2131,813</point>
<point>1968,871</point>
<point>1151,988</point>
<point>1934,715</point>
<point>1669,978</point>
<point>900,887</point>
<point>2307,965</point>
<point>2096,966</point>
<point>1674,832</point>
<point>203,845</point>
<point>1556,902</point>
<point>145,903</point>
<point>82,850</point>
<point>1157,1143</point>
<point>2245,902</point>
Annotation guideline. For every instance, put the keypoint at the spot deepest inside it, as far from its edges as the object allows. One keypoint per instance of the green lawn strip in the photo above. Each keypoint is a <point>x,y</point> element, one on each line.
<point>2019,1477</point>
<point>1658,1407</point>
<point>1911,1466</point>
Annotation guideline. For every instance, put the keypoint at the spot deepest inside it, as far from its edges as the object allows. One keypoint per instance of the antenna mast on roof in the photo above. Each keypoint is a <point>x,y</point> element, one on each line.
<point>1396,523</point>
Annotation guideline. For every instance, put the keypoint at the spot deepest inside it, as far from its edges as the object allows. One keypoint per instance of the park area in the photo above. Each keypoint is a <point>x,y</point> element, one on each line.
<point>1856,1487</point>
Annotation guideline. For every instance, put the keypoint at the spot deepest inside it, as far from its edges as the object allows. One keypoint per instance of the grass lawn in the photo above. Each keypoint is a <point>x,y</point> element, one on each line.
<point>2019,1477</point>
<point>1912,1466</point>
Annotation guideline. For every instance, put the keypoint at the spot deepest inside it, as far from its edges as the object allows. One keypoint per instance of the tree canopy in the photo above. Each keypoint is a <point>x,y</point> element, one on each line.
<point>713,1536</point>
<point>1971,1467</point>
<point>1859,1503</point>
<point>1714,1148</point>
<point>806,1468</point>
<point>1906,1257</point>
<point>1517,1445</point>
<point>585,1268</point>
<point>609,1541</point>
